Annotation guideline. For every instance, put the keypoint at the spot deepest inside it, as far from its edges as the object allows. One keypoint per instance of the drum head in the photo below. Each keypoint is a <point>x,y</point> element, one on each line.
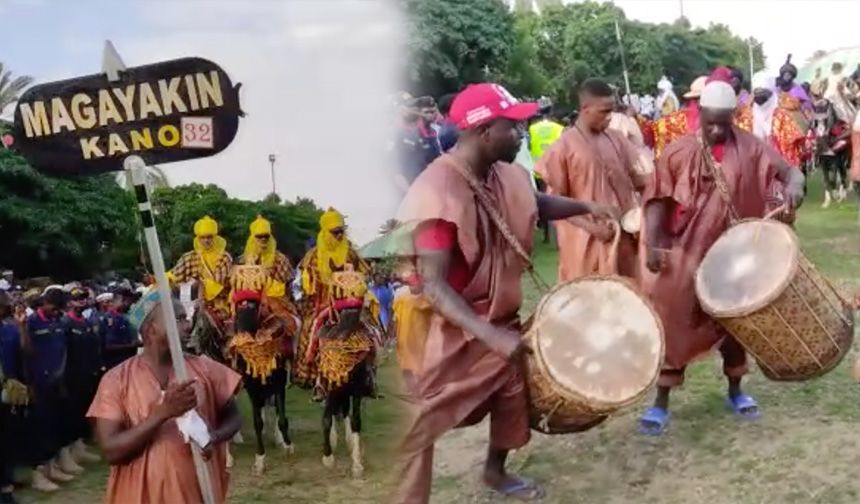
<point>599,339</point>
<point>747,268</point>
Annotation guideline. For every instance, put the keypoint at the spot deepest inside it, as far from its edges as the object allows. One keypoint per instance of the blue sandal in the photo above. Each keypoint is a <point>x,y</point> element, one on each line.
<point>654,421</point>
<point>521,489</point>
<point>744,407</point>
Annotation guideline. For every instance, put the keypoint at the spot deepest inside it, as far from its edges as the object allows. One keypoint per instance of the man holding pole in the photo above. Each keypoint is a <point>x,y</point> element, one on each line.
<point>135,412</point>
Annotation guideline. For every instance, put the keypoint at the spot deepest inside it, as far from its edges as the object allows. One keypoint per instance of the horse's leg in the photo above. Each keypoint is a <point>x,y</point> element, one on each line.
<point>257,404</point>
<point>281,410</point>
<point>354,422</point>
<point>327,420</point>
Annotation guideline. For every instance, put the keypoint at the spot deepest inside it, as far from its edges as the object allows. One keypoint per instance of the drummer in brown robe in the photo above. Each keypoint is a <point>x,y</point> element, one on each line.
<point>470,273</point>
<point>685,213</point>
<point>594,163</point>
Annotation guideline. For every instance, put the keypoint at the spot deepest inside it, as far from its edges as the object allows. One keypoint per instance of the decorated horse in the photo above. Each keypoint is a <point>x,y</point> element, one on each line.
<point>257,341</point>
<point>345,337</point>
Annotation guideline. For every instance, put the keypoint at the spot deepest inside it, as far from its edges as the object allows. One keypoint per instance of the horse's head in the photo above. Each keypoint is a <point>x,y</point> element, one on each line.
<point>247,308</point>
<point>247,317</point>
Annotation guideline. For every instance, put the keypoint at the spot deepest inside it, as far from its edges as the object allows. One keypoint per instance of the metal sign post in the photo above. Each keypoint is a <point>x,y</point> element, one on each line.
<point>136,169</point>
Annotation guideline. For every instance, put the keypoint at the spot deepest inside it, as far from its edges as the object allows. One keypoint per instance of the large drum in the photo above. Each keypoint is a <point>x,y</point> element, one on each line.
<point>597,346</point>
<point>760,287</point>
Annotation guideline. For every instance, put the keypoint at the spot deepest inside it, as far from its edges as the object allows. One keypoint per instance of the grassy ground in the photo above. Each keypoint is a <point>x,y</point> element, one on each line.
<point>804,450</point>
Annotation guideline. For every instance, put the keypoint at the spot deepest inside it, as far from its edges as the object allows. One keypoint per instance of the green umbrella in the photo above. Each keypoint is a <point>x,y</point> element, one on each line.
<point>397,242</point>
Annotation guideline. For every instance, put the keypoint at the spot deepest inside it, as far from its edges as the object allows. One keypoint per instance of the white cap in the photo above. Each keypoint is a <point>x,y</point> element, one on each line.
<point>762,80</point>
<point>697,87</point>
<point>718,95</point>
<point>103,298</point>
<point>51,287</point>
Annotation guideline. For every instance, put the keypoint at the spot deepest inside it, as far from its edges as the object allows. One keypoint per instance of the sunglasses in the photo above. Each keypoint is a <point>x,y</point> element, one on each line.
<point>206,237</point>
<point>263,237</point>
<point>337,231</point>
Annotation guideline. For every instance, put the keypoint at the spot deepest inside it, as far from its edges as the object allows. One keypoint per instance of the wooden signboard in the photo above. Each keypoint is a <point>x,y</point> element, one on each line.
<point>164,112</point>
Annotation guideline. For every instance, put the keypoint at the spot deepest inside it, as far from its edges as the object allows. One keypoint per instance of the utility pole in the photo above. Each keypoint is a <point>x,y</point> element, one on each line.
<point>272,163</point>
<point>752,64</point>
<point>623,59</point>
<point>681,3</point>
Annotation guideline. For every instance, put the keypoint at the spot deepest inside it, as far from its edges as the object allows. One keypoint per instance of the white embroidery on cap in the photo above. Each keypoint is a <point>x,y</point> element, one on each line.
<point>478,114</point>
<point>504,93</point>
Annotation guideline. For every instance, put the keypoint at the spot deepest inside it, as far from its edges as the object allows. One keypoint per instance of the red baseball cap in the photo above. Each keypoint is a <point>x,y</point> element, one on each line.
<point>481,103</point>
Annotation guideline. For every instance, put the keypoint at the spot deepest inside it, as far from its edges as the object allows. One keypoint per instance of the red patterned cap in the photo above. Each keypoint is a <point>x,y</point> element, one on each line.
<point>481,103</point>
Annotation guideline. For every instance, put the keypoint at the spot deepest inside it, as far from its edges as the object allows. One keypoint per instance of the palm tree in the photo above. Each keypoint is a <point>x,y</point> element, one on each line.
<point>155,178</point>
<point>9,87</point>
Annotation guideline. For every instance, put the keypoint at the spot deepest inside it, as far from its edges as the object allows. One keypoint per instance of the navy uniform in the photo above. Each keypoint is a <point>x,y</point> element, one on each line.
<point>46,364</point>
<point>83,370</point>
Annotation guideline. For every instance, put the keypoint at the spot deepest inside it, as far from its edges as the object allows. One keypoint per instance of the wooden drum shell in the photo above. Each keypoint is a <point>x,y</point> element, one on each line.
<point>554,409</point>
<point>804,331</point>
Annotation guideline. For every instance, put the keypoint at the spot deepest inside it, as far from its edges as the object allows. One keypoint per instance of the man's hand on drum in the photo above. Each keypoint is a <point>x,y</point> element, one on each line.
<point>794,195</point>
<point>794,182</point>
<point>606,212</point>
<point>505,342</point>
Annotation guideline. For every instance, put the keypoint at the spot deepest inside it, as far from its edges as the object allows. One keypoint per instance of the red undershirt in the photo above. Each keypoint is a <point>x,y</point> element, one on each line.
<point>441,235</point>
<point>718,151</point>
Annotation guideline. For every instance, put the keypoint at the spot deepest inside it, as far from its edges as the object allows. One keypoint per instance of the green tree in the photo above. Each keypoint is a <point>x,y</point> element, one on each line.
<point>452,43</point>
<point>11,87</point>
<point>523,75</point>
<point>66,228</point>
<point>548,48</point>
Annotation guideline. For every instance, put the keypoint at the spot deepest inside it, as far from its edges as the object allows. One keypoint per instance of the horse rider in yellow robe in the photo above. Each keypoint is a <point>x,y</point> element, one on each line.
<point>209,264</point>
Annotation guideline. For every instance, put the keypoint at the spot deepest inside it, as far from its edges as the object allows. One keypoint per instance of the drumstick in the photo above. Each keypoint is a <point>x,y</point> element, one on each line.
<point>768,216</point>
<point>538,323</point>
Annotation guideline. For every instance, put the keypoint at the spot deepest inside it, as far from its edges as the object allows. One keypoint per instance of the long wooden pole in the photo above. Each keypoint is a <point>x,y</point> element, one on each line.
<point>135,166</point>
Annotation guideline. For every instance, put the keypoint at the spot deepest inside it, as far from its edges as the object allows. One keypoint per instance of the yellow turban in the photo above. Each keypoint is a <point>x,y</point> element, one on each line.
<point>206,227</point>
<point>330,250</point>
<point>211,256</point>
<point>253,251</point>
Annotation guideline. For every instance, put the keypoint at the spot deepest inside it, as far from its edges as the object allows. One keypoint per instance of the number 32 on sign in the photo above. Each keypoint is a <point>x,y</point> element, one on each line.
<point>197,133</point>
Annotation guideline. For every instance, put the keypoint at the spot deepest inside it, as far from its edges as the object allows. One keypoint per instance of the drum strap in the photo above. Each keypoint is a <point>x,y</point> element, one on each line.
<point>618,181</point>
<point>502,226</point>
<point>716,172</point>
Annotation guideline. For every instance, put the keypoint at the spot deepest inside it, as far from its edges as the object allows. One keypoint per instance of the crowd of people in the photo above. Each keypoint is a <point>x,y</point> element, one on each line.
<point>810,124</point>
<point>55,345</point>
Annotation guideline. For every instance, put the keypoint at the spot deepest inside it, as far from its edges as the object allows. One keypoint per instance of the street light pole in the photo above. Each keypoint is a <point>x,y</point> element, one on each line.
<point>272,163</point>
<point>752,64</point>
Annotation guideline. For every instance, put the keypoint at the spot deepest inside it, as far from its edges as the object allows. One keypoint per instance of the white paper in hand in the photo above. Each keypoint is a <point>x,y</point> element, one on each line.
<point>192,426</point>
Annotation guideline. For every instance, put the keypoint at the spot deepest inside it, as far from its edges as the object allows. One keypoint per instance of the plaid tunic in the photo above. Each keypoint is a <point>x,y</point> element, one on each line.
<point>190,267</point>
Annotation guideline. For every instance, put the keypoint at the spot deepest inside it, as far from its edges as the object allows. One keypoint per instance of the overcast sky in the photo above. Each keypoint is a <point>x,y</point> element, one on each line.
<point>799,27</point>
<point>316,73</point>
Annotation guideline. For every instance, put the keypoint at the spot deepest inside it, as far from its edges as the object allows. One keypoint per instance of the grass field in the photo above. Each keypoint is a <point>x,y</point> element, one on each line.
<point>804,450</point>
